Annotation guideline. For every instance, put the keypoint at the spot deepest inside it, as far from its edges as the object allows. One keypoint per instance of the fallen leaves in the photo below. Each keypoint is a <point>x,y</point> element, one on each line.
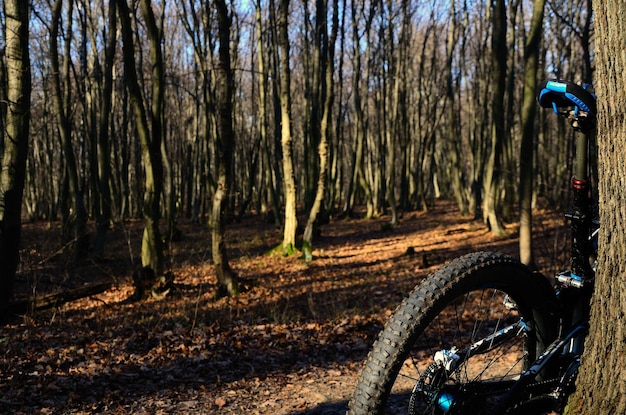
<point>220,402</point>
<point>292,343</point>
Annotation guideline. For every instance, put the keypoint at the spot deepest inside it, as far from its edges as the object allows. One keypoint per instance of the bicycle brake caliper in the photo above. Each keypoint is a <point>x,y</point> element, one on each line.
<point>448,359</point>
<point>509,303</point>
<point>429,386</point>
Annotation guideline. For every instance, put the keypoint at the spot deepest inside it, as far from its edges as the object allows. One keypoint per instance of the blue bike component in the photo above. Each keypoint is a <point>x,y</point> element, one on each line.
<point>555,108</point>
<point>557,94</point>
<point>578,102</point>
<point>445,401</point>
<point>556,86</point>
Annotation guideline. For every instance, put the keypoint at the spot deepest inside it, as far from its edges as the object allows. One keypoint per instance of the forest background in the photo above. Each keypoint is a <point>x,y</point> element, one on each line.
<point>383,104</point>
<point>295,113</point>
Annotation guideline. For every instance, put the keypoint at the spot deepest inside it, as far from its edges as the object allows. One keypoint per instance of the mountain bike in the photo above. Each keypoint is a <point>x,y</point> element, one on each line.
<point>485,334</point>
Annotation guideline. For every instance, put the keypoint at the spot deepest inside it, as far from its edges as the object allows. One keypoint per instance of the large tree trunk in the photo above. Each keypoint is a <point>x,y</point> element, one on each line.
<point>529,105</point>
<point>227,279</point>
<point>601,384</point>
<point>13,164</point>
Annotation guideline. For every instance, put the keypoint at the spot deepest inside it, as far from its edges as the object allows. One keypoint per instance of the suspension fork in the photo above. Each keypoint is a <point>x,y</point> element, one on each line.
<point>576,285</point>
<point>580,213</point>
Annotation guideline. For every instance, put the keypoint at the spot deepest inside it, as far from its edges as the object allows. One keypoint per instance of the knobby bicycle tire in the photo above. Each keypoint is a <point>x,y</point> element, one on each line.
<point>442,299</point>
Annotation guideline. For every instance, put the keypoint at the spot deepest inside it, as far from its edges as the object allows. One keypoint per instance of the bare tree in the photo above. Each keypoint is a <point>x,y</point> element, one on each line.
<point>198,22</point>
<point>527,170</point>
<point>267,175</point>
<point>360,80</point>
<point>454,153</point>
<point>327,62</point>
<point>15,145</point>
<point>151,249</point>
<point>225,142</point>
<point>288,245</point>
<point>493,177</point>
<point>3,86</point>
<point>102,147</point>
<point>62,103</point>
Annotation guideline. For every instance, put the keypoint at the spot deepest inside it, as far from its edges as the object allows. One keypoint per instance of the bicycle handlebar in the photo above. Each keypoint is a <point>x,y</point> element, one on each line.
<point>558,94</point>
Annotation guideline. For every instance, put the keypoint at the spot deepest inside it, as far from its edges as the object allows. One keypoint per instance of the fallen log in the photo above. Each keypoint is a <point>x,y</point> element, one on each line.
<point>56,299</point>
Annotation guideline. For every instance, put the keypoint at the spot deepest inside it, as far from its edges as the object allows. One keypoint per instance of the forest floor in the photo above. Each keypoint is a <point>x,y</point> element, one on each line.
<point>292,343</point>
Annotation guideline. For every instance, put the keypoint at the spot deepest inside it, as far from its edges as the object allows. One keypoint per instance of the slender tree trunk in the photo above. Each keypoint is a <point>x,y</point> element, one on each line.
<point>328,85</point>
<point>62,104</point>
<point>151,246</point>
<point>228,283</point>
<point>313,73</point>
<point>426,143</point>
<point>585,42</point>
<point>103,147</point>
<point>198,25</point>
<point>274,73</point>
<point>336,145</point>
<point>14,154</point>
<point>361,76</point>
<point>393,116</point>
<point>457,176</point>
<point>169,195</point>
<point>509,160</point>
<point>291,220</point>
<point>3,90</point>
<point>493,177</point>
<point>527,171</point>
<point>601,383</point>
<point>268,172</point>
<point>152,249</point>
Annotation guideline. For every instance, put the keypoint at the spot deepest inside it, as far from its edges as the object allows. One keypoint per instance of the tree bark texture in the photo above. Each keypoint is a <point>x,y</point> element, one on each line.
<point>291,220</point>
<point>227,279</point>
<point>529,105</point>
<point>324,128</point>
<point>361,76</point>
<point>13,163</point>
<point>498,63</point>
<point>458,179</point>
<point>62,103</point>
<point>103,146</point>
<point>601,384</point>
<point>151,245</point>
<point>269,194</point>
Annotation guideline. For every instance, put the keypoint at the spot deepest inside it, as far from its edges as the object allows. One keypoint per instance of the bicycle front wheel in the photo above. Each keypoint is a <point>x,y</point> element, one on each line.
<point>459,340</point>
